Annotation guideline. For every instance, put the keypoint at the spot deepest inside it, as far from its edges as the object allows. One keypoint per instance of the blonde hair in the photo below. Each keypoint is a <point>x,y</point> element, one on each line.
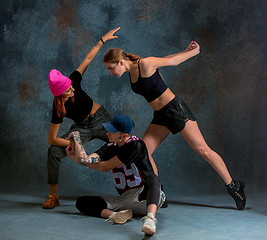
<point>114,55</point>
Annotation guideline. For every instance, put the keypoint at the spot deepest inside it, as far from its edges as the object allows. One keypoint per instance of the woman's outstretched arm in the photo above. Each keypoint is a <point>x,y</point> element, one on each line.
<point>94,50</point>
<point>149,64</point>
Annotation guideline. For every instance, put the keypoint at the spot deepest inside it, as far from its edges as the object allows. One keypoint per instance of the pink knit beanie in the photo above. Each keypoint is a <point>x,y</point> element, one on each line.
<point>58,83</point>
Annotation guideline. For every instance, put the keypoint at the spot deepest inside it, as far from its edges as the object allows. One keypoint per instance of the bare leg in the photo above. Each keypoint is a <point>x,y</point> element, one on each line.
<point>153,137</point>
<point>53,189</point>
<point>194,138</point>
<point>106,213</point>
<point>152,208</point>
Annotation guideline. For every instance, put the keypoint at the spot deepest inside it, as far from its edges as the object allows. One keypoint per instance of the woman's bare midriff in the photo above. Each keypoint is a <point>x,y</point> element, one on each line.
<point>162,100</point>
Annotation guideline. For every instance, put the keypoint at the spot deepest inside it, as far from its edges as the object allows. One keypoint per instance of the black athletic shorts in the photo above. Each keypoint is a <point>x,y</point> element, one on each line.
<point>174,115</point>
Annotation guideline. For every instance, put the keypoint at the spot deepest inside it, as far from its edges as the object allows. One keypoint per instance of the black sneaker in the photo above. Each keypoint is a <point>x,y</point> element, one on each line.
<point>236,190</point>
<point>165,204</point>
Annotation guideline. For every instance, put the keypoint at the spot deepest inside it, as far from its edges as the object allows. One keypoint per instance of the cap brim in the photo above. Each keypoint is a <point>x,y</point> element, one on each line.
<point>109,127</point>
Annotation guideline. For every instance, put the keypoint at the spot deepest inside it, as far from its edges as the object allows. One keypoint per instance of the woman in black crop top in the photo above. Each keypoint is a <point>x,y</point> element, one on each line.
<point>72,102</point>
<point>171,115</point>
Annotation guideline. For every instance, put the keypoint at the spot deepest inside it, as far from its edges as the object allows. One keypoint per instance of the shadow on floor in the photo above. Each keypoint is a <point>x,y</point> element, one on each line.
<point>204,205</point>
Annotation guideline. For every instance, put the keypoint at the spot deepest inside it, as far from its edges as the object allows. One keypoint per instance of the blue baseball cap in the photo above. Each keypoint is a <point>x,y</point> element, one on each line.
<point>120,123</point>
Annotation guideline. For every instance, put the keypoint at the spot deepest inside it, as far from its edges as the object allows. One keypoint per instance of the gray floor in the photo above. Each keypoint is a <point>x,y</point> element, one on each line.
<point>195,217</point>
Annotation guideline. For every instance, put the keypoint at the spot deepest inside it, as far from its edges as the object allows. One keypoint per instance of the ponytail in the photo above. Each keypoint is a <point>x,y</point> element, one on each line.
<point>114,55</point>
<point>132,57</point>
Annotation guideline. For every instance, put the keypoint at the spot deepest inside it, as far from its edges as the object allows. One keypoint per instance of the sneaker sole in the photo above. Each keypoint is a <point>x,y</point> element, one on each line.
<point>49,207</point>
<point>241,207</point>
<point>122,217</point>
<point>148,230</point>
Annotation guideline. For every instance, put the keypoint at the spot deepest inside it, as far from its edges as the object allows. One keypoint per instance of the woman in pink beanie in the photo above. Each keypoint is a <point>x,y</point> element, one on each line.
<point>72,102</point>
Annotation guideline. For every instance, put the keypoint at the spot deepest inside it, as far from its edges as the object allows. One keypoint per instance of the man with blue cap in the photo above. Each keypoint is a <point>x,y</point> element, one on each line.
<point>126,155</point>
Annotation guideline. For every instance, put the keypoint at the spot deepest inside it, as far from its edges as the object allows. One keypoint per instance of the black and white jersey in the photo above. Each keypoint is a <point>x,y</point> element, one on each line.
<point>133,154</point>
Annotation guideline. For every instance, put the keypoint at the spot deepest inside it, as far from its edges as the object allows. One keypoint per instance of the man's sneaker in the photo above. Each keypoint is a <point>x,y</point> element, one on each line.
<point>120,217</point>
<point>51,201</point>
<point>236,190</point>
<point>165,203</point>
<point>149,227</point>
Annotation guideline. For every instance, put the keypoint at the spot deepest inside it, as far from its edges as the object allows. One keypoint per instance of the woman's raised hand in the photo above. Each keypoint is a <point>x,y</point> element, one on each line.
<point>194,47</point>
<point>110,35</point>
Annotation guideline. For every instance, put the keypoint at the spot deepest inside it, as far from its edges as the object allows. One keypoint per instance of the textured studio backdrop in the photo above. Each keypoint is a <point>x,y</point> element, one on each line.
<point>225,85</point>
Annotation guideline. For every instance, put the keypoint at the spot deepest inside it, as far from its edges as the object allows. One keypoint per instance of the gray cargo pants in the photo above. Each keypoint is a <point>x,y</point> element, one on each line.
<point>89,129</point>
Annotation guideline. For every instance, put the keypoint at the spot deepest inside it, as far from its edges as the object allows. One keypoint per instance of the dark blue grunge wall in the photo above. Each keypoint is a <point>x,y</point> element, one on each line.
<point>225,85</point>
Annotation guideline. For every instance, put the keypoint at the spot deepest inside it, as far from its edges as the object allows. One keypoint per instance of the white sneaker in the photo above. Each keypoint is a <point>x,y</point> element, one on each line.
<point>120,217</point>
<point>149,227</point>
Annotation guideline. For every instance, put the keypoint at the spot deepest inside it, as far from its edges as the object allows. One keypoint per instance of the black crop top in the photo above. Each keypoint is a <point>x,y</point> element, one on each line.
<point>150,87</point>
<point>82,105</point>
